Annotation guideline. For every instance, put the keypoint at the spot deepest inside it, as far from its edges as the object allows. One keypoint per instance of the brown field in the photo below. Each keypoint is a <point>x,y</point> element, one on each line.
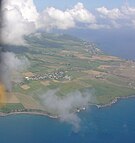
<point>104,66</point>
<point>11,98</point>
<point>93,72</point>
<point>65,51</point>
<point>76,54</point>
<point>81,56</point>
<point>126,72</point>
<point>25,87</point>
<point>105,58</point>
<point>2,95</point>
<point>28,74</point>
<point>27,101</point>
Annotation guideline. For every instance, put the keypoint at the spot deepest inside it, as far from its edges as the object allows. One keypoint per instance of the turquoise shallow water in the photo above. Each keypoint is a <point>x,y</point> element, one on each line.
<point>115,124</point>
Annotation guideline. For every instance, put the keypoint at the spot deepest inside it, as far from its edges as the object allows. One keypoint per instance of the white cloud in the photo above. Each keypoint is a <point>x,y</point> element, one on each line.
<point>10,68</point>
<point>64,106</point>
<point>112,14</point>
<point>118,17</point>
<point>126,10</point>
<point>81,14</point>
<point>55,18</point>
<point>19,19</point>
<point>26,8</point>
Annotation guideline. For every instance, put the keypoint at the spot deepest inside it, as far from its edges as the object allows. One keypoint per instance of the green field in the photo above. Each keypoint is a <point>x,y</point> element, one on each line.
<point>12,107</point>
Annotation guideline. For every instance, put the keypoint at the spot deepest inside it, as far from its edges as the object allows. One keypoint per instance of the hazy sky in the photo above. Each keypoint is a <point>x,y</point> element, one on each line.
<point>90,4</point>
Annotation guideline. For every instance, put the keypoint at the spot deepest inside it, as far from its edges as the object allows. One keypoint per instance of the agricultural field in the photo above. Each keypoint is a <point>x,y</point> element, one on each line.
<point>66,64</point>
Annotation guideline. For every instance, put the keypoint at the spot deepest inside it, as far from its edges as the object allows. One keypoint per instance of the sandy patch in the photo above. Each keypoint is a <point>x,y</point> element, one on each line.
<point>25,87</point>
<point>55,81</point>
<point>28,74</point>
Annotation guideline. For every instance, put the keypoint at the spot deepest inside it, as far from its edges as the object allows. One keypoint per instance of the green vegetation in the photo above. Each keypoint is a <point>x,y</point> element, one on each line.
<point>12,107</point>
<point>106,92</point>
<point>68,64</point>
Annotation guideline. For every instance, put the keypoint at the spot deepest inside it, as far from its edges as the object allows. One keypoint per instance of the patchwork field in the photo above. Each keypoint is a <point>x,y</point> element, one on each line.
<point>67,64</point>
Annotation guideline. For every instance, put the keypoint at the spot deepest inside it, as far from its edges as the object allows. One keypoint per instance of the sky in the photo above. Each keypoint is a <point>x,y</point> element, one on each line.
<point>89,4</point>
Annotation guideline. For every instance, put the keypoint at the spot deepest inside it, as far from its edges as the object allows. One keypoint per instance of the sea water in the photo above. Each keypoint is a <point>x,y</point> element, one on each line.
<point>113,124</point>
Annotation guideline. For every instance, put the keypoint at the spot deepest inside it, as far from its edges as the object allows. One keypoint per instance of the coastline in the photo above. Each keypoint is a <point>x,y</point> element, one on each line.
<point>114,101</point>
<point>28,113</point>
<point>43,113</point>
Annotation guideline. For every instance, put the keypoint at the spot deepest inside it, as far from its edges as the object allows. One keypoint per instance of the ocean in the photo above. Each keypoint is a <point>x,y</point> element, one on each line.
<point>114,42</point>
<point>112,124</point>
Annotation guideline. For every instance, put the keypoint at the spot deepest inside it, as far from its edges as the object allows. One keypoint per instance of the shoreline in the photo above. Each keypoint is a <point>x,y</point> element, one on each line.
<point>43,113</point>
<point>114,101</point>
<point>28,113</point>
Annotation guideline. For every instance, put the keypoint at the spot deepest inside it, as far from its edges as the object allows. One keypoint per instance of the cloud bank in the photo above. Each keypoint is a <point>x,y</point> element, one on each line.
<point>65,106</point>
<point>55,18</point>
<point>118,17</point>
<point>19,19</point>
<point>22,18</point>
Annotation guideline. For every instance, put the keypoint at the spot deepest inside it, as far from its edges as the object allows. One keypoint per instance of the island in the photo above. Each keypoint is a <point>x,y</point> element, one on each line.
<point>66,65</point>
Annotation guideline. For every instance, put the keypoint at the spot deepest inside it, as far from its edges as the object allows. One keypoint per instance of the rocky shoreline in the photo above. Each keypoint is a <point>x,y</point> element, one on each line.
<point>55,117</point>
<point>115,101</point>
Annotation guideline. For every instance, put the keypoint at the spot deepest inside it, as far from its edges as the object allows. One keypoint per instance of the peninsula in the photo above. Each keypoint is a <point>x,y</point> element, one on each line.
<point>66,65</point>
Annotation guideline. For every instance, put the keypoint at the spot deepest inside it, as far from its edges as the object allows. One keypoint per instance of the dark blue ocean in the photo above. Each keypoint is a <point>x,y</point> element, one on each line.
<point>114,124</point>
